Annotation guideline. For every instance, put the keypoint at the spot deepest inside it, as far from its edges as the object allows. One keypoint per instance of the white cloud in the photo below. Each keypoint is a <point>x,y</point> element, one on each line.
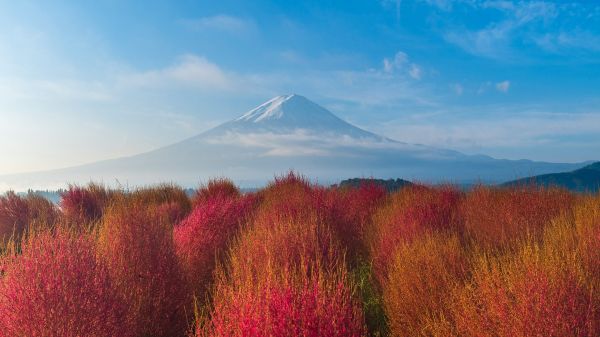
<point>400,63</point>
<point>579,40</point>
<point>397,62</point>
<point>503,86</point>
<point>189,70</point>
<point>221,22</point>
<point>415,71</point>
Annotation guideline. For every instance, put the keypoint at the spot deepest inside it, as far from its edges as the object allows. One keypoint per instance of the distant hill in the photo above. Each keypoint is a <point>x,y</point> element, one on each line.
<point>585,179</point>
<point>390,185</point>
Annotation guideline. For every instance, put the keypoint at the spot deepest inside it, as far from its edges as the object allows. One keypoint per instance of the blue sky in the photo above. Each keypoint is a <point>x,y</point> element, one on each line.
<point>82,81</point>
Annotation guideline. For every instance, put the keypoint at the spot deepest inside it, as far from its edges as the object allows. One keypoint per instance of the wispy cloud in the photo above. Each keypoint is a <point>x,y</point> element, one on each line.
<point>415,71</point>
<point>496,130</point>
<point>401,63</point>
<point>503,86</point>
<point>554,27</point>
<point>191,70</point>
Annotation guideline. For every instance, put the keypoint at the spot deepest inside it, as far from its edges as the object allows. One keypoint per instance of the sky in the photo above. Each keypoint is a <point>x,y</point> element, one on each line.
<point>82,81</point>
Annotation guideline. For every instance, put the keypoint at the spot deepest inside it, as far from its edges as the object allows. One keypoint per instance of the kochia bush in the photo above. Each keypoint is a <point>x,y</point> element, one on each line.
<point>17,214</point>
<point>535,292</point>
<point>408,214</point>
<point>84,205</point>
<point>57,287</point>
<point>202,237</point>
<point>314,305</point>
<point>498,217</point>
<point>136,243</point>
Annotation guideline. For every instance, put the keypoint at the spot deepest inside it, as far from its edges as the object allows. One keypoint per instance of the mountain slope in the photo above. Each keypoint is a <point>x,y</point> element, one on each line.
<point>286,132</point>
<point>585,179</point>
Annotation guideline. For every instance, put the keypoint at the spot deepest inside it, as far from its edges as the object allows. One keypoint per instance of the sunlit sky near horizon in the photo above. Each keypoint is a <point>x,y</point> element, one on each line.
<point>82,81</point>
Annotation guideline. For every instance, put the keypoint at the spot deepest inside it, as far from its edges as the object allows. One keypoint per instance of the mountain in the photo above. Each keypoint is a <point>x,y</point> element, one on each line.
<point>585,179</point>
<point>286,132</point>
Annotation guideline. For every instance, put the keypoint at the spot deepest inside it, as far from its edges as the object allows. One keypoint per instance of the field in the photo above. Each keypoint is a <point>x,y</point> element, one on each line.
<point>299,259</point>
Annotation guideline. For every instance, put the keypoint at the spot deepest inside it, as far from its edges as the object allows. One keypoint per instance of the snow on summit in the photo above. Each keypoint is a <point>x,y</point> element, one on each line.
<point>289,114</point>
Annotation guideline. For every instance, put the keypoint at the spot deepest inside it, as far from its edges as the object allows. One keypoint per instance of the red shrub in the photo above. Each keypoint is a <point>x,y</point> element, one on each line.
<point>290,197</point>
<point>18,213</point>
<point>83,205</point>
<point>221,187</point>
<point>351,210</point>
<point>136,241</point>
<point>410,212</point>
<point>14,212</point>
<point>57,287</point>
<point>316,306</point>
<point>285,275</point>
<point>203,236</point>
<point>496,217</point>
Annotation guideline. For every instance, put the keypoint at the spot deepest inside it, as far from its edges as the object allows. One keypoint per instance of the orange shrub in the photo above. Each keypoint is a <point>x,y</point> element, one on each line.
<point>136,242</point>
<point>421,275</point>
<point>284,278</point>
<point>496,217</point>
<point>587,227</point>
<point>536,292</point>
<point>169,199</point>
<point>409,213</point>
<point>285,275</point>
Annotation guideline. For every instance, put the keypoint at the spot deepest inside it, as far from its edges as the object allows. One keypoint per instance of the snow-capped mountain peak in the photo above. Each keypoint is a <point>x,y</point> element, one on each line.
<point>288,114</point>
<point>290,107</point>
<point>272,108</point>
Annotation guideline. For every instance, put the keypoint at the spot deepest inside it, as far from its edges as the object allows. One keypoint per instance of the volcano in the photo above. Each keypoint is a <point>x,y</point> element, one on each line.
<point>287,132</point>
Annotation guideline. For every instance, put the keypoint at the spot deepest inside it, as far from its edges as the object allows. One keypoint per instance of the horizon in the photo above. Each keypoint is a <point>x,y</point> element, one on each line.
<point>82,83</point>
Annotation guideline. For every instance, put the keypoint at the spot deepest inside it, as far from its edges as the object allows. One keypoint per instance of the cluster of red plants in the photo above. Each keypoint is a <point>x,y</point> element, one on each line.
<point>19,213</point>
<point>299,259</point>
<point>58,287</point>
<point>202,237</point>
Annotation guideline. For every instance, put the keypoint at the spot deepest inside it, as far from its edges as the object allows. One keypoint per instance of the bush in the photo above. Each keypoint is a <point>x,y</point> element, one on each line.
<point>201,238</point>
<point>499,217</point>
<point>351,210</point>
<point>221,187</point>
<point>535,292</point>
<point>17,214</point>
<point>84,205</point>
<point>169,199</point>
<point>136,242</point>
<point>57,287</point>
<point>315,305</point>
<point>408,214</point>
<point>421,275</point>
<point>285,275</point>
